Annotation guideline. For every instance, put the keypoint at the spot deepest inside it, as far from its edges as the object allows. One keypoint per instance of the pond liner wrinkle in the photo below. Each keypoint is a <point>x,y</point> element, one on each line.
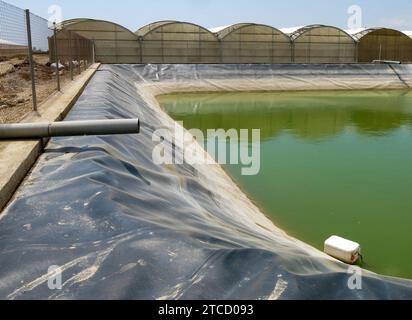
<point>121,227</point>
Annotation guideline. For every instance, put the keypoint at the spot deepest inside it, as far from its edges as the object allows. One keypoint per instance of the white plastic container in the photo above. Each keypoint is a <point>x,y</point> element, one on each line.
<point>344,250</point>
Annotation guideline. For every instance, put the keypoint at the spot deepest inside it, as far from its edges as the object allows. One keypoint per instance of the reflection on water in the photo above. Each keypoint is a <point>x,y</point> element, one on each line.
<point>332,163</point>
<point>307,115</point>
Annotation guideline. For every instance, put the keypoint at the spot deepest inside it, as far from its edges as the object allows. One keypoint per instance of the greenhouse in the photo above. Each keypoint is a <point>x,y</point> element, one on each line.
<point>71,46</point>
<point>178,42</point>
<point>254,43</point>
<point>185,43</point>
<point>384,44</point>
<point>323,44</point>
<point>112,42</point>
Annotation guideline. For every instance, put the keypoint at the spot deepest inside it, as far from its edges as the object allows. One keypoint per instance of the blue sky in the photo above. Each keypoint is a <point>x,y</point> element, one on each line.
<point>211,13</point>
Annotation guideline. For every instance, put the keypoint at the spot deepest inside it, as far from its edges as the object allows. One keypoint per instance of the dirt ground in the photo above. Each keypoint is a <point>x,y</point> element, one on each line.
<point>15,86</point>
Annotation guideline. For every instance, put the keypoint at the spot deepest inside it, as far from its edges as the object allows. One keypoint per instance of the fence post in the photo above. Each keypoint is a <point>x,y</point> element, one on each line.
<point>71,56</point>
<point>93,53</point>
<point>86,58</point>
<point>82,54</point>
<point>87,53</point>
<point>56,55</point>
<point>78,56</point>
<point>31,60</point>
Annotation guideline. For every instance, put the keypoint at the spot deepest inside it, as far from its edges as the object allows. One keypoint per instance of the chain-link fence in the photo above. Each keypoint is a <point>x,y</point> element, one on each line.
<point>30,71</point>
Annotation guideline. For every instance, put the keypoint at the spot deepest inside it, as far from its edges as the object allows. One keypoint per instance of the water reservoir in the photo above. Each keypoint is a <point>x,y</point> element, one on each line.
<point>331,163</point>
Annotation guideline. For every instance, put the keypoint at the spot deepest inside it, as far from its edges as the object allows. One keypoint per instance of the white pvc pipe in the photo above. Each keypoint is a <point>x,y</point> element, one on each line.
<point>68,128</point>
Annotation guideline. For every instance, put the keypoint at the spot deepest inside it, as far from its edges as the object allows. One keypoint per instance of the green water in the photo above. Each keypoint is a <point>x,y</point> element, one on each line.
<point>332,163</point>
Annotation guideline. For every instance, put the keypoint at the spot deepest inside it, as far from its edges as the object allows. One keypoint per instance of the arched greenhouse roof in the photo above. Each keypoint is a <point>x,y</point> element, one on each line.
<point>146,30</point>
<point>358,36</point>
<point>303,30</point>
<point>149,27</point>
<point>72,23</point>
<point>224,32</point>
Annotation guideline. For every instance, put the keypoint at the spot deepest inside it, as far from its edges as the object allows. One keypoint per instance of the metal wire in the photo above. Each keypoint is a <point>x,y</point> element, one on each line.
<point>26,74</point>
<point>12,25</point>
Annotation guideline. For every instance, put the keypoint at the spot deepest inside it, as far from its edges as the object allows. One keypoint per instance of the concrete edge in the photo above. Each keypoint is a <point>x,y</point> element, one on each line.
<point>18,157</point>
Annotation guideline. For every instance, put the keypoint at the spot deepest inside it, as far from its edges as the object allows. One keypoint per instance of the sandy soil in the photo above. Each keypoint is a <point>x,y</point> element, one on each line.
<point>15,87</point>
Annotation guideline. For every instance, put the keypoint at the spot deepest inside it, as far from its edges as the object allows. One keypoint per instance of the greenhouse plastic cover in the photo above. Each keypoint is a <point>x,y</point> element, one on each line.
<point>121,227</point>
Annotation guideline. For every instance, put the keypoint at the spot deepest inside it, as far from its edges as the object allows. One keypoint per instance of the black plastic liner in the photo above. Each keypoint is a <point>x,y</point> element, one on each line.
<point>121,227</point>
